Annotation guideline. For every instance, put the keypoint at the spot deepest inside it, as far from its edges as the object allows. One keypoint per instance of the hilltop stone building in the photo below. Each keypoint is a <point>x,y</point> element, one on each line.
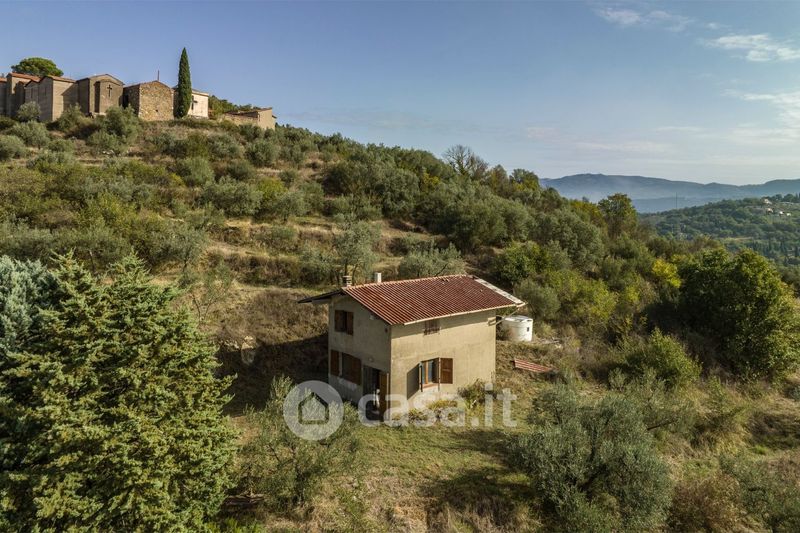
<point>262,117</point>
<point>94,95</point>
<point>151,100</point>
<point>98,93</point>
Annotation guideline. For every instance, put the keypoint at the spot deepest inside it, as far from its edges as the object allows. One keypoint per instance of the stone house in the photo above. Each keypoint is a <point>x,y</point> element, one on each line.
<point>96,94</point>
<point>421,339</point>
<point>54,94</point>
<point>14,93</point>
<point>150,100</point>
<point>261,117</point>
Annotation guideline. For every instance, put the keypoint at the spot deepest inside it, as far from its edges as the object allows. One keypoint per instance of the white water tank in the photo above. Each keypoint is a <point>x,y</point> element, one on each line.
<point>517,328</point>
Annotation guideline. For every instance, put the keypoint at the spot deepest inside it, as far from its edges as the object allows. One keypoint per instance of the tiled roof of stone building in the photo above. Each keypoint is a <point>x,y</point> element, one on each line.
<point>415,300</point>
<point>25,76</point>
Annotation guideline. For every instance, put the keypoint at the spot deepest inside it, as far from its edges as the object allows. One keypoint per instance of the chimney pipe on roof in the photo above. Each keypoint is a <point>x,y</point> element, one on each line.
<point>377,277</point>
<point>347,281</point>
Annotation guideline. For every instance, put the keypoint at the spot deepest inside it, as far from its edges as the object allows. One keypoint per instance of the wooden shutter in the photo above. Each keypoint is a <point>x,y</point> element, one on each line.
<point>356,370</point>
<point>349,323</point>
<point>420,373</point>
<point>445,370</point>
<point>334,363</point>
<point>338,321</point>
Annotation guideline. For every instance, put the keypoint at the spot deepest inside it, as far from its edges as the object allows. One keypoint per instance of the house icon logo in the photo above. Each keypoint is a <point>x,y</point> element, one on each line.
<point>313,410</point>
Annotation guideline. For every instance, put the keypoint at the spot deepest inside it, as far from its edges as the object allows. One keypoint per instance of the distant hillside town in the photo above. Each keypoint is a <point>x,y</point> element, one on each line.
<point>94,95</point>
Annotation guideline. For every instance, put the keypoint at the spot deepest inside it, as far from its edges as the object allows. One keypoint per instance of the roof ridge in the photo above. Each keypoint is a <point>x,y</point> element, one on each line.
<point>397,281</point>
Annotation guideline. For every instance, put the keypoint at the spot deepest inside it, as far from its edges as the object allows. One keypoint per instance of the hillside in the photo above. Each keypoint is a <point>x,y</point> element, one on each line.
<point>772,230</point>
<point>656,194</point>
<point>691,424</point>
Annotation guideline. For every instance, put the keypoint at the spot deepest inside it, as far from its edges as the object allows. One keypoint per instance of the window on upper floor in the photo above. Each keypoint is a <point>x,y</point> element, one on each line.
<point>343,321</point>
<point>431,327</point>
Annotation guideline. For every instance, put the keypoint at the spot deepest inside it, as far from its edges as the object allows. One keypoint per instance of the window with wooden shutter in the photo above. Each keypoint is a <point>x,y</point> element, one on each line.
<point>351,368</point>
<point>334,363</point>
<point>428,373</point>
<point>343,321</point>
<point>445,370</point>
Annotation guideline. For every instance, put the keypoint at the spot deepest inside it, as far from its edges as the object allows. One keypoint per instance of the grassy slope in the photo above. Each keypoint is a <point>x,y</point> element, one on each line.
<point>415,478</point>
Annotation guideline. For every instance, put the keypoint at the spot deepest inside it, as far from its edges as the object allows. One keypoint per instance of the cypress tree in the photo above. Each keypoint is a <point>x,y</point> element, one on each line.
<point>111,415</point>
<point>184,97</point>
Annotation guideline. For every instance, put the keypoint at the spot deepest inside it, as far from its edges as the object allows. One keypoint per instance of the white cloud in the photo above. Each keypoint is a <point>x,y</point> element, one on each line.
<point>788,105</point>
<point>758,47</point>
<point>623,17</point>
<point>657,18</point>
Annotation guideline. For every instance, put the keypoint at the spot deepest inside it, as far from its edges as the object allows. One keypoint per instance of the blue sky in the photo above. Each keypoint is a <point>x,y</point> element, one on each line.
<point>705,91</point>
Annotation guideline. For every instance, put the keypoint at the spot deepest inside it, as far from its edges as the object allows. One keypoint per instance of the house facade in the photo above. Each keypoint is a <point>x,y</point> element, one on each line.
<point>150,100</point>
<point>53,94</point>
<point>261,117</point>
<point>420,340</point>
<point>96,94</point>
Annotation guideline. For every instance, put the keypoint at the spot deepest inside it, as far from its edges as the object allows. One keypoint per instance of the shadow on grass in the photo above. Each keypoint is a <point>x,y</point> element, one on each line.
<point>488,497</point>
<point>254,370</point>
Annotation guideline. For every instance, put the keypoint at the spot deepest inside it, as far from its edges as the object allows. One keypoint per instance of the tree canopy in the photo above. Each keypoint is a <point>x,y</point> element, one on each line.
<point>111,412</point>
<point>37,66</point>
<point>740,304</point>
<point>183,100</point>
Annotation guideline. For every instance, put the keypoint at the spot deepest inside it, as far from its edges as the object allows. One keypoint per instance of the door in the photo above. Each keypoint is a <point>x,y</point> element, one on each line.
<point>383,393</point>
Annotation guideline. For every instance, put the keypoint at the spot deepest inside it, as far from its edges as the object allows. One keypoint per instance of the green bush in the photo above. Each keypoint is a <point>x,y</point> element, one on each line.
<point>122,123</point>
<point>251,132</point>
<point>32,133</point>
<point>277,238</point>
<point>593,464</point>
<point>428,260</point>
<point>314,195</point>
<point>61,145</point>
<point>222,147</point>
<point>240,170</point>
<point>11,147</point>
<point>6,122</point>
<point>286,205</point>
<point>289,177</point>
<point>662,354</point>
<point>103,142</point>
<point>48,158</point>
<point>316,266</point>
<point>194,170</point>
<point>71,119</point>
<point>288,469</point>
<point>262,153</point>
<point>542,301</point>
<point>743,307</point>
<point>29,112</point>
<point>234,197</point>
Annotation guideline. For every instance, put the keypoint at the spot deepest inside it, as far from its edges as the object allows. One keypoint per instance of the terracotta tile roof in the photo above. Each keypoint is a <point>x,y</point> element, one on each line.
<point>415,300</point>
<point>25,76</point>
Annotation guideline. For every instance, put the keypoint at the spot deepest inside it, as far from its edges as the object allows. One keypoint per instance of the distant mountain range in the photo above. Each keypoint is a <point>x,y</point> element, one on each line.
<point>651,195</point>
